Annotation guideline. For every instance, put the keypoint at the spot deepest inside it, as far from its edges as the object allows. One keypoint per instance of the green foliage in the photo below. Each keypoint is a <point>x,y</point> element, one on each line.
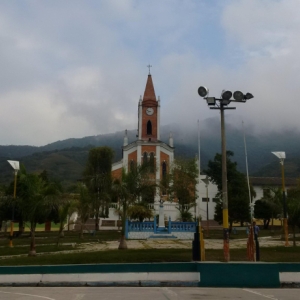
<point>293,209</point>
<point>238,195</point>
<point>129,190</point>
<point>139,212</point>
<point>269,207</point>
<point>185,216</point>
<point>98,179</point>
<point>180,185</point>
<point>83,206</point>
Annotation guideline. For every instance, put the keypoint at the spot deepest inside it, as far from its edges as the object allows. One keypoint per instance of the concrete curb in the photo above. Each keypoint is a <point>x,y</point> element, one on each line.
<point>201,274</point>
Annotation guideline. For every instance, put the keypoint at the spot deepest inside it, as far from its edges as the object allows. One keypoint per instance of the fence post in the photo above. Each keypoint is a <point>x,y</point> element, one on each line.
<point>154,224</point>
<point>169,225</point>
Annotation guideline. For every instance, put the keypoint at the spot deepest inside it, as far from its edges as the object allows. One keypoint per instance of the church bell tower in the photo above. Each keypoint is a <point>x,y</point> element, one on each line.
<point>149,113</point>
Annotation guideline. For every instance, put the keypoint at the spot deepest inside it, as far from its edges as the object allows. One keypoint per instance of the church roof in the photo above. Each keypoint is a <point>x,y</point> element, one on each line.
<point>149,93</point>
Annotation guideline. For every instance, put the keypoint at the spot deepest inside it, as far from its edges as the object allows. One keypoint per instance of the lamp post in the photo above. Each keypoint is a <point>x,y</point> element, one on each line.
<point>221,104</point>
<point>206,181</point>
<point>16,167</point>
<point>281,156</point>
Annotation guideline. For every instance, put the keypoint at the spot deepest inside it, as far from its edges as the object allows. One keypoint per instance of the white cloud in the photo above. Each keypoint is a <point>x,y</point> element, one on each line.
<point>77,68</point>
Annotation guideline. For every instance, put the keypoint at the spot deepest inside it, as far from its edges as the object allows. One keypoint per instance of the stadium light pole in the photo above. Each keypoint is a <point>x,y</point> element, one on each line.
<point>281,156</point>
<point>16,166</point>
<point>222,104</point>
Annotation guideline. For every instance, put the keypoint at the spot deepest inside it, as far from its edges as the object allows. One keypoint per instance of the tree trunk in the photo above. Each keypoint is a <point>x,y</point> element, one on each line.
<point>230,226</point>
<point>81,231</point>
<point>48,226</point>
<point>123,244</point>
<point>60,233</point>
<point>32,251</point>
<point>272,225</point>
<point>97,221</point>
<point>294,236</point>
<point>21,226</point>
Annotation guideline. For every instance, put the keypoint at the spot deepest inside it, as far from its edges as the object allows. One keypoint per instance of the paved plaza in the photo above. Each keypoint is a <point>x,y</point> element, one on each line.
<point>145,293</point>
<point>178,244</point>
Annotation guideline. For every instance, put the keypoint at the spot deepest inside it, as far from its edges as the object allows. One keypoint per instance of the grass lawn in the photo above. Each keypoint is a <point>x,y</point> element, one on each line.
<point>271,254</point>
<point>70,237</point>
<point>6,251</point>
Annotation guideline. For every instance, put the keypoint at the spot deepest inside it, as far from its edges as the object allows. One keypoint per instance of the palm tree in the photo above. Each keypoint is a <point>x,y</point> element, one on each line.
<point>83,206</point>
<point>36,198</point>
<point>129,190</point>
<point>65,206</point>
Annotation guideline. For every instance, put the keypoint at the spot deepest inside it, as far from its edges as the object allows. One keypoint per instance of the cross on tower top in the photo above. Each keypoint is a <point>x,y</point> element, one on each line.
<point>149,66</point>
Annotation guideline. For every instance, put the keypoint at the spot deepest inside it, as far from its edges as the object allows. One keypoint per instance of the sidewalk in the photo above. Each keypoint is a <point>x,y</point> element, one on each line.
<point>177,244</point>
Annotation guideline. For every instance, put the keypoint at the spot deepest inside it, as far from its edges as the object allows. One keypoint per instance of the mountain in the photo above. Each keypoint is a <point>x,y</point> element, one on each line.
<point>65,160</point>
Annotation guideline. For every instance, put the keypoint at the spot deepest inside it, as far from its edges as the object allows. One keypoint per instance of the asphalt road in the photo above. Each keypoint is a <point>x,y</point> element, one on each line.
<point>139,293</point>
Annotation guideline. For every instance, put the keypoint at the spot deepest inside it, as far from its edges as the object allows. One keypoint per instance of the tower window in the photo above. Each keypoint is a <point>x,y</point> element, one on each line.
<point>149,128</point>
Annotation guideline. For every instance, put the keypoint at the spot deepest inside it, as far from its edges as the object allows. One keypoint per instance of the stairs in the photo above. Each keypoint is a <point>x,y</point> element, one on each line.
<point>162,236</point>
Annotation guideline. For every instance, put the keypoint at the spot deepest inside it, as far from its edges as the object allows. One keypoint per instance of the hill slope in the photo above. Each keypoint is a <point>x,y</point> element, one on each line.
<point>65,160</point>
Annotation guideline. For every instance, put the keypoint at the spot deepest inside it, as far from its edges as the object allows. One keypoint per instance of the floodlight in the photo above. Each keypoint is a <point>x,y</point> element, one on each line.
<point>226,95</point>
<point>211,100</point>
<point>206,180</point>
<point>280,155</point>
<point>15,164</point>
<point>203,91</point>
<point>225,101</point>
<point>238,96</point>
<point>249,96</point>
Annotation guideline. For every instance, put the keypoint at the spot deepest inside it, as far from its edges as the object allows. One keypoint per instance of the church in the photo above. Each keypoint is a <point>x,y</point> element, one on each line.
<point>149,147</point>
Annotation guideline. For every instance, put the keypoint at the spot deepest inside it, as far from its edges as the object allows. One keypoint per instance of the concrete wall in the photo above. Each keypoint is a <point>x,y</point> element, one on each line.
<point>202,274</point>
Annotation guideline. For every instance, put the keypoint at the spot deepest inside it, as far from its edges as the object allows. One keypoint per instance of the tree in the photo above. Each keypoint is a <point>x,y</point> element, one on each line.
<point>65,206</point>
<point>238,195</point>
<point>83,206</point>
<point>97,177</point>
<point>139,211</point>
<point>129,190</point>
<point>36,198</point>
<point>293,209</point>
<point>180,185</point>
<point>269,207</point>
<point>262,210</point>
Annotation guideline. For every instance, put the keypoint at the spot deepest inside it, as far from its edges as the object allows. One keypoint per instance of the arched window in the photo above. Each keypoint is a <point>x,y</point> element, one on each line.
<point>164,174</point>
<point>164,169</point>
<point>149,128</point>
<point>151,162</point>
<point>145,157</point>
<point>132,165</point>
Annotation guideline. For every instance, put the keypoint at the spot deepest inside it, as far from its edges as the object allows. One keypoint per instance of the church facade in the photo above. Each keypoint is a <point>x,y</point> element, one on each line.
<point>148,146</point>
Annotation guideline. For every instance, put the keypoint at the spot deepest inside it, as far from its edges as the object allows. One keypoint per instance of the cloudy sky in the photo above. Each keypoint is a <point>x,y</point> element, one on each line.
<point>74,68</point>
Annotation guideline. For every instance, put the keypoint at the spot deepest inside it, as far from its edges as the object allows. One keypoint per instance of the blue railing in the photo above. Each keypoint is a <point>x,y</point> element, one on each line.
<point>182,226</point>
<point>151,226</point>
<point>141,226</point>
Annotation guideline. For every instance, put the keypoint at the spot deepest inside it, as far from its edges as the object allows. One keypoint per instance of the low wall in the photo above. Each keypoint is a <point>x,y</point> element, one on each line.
<point>146,235</point>
<point>201,274</point>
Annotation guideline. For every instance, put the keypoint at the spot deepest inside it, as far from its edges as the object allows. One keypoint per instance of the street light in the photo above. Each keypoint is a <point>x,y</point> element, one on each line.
<point>281,156</point>
<point>16,167</point>
<point>221,104</point>
<point>206,181</point>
